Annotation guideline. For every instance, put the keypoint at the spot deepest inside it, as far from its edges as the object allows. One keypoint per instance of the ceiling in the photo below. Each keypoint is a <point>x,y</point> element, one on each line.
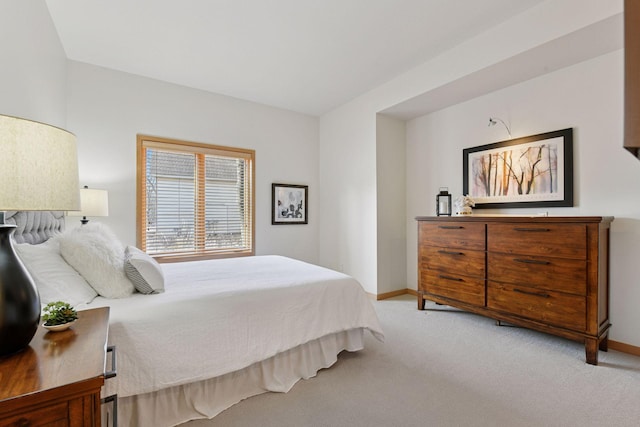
<point>586,43</point>
<point>308,56</point>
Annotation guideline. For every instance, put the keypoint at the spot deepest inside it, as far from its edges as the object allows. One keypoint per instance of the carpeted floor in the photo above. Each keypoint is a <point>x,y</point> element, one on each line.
<point>450,368</point>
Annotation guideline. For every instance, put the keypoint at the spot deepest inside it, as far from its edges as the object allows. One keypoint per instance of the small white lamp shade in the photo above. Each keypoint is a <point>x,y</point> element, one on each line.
<point>93,202</point>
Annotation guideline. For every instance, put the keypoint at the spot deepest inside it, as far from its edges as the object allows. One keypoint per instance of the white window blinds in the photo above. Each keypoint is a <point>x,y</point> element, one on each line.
<point>197,199</point>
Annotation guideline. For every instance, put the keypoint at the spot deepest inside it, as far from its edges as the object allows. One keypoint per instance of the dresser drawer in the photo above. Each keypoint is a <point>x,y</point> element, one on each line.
<point>559,240</point>
<point>56,415</point>
<point>452,235</point>
<point>566,311</point>
<point>460,261</point>
<point>470,290</point>
<point>557,274</point>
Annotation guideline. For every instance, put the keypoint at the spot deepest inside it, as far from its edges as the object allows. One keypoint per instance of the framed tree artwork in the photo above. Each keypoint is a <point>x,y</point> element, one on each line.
<point>532,171</point>
<point>289,204</point>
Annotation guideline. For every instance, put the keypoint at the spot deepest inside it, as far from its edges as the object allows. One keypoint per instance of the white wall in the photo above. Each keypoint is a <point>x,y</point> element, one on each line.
<point>32,75</point>
<point>587,97</point>
<point>348,206</point>
<point>107,109</point>
<point>348,198</point>
<point>392,202</point>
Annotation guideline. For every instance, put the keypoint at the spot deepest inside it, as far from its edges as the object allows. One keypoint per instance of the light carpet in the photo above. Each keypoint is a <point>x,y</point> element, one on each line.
<point>451,368</point>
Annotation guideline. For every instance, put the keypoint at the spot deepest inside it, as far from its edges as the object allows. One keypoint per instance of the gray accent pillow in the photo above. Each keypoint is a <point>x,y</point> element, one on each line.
<point>144,272</point>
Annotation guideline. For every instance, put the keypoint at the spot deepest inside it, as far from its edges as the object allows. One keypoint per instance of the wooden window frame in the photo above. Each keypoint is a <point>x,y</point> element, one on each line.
<point>180,146</point>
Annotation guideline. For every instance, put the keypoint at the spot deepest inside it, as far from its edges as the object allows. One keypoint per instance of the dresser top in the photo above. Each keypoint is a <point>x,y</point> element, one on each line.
<point>518,218</point>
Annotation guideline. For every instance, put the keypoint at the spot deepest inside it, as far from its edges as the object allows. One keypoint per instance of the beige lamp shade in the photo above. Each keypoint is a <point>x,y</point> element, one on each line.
<point>93,202</point>
<point>39,169</point>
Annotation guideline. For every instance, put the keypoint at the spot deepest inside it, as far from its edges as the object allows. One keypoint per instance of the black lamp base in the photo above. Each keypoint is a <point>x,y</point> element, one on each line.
<point>19,299</point>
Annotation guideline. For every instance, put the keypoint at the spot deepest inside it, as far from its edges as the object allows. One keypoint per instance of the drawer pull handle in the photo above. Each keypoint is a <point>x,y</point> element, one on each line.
<point>451,227</point>
<point>457,279</point>
<point>532,261</point>
<point>535,294</point>
<point>113,399</point>
<point>533,230</point>
<point>450,252</point>
<point>113,372</point>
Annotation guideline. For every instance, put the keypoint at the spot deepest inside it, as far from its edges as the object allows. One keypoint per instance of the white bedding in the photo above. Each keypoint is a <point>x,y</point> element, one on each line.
<point>217,317</point>
<point>206,399</point>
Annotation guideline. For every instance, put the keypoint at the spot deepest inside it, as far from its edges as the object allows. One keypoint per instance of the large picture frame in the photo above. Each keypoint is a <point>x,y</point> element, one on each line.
<point>289,204</point>
<point>532,171</point>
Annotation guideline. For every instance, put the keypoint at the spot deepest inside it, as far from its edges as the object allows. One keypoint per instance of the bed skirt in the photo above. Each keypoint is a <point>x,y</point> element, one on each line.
<point>206,399</point>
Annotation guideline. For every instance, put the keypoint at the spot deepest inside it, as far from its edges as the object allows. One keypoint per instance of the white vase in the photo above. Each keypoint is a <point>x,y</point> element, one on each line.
<point>465,210</point>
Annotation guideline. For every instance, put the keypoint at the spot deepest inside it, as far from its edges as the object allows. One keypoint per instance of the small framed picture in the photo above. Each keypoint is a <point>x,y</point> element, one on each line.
<point>289,204</point>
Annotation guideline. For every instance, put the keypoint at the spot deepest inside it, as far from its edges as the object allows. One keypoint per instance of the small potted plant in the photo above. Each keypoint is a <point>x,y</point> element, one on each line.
<point>58,316</point>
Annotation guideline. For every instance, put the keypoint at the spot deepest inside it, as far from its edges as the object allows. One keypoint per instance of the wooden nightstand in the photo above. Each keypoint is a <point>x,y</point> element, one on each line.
<point>56,381</point>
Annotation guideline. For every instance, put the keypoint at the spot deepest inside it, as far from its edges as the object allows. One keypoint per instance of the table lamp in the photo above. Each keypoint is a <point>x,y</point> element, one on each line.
<point>93,202</point>
<point>39,173</point>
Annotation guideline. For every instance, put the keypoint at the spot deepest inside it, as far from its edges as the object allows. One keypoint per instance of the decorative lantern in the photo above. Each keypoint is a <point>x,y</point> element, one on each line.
<point>443,202</point>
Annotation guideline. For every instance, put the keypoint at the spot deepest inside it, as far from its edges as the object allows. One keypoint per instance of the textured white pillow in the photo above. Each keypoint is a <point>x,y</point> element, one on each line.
<point>97,254</point>
<point>144,272</point>
<point>55,279</point>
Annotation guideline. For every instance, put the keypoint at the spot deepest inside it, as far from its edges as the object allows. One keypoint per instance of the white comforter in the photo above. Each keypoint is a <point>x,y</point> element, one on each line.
<point>221,316</point>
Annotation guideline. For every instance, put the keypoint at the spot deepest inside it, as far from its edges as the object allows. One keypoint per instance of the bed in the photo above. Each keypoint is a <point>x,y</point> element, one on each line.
<point>219,332</point>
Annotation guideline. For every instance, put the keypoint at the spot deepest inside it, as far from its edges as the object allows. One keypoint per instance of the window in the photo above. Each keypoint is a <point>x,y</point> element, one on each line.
<point>194,200</point>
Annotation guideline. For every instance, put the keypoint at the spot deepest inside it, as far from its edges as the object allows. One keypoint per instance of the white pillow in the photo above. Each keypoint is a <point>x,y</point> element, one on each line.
<point>144,272</point>
<point>97,254</point>
<point>55,279</point>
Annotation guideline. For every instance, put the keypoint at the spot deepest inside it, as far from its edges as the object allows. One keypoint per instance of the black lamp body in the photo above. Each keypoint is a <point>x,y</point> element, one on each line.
<point>443,203</point>
<point>19,299</point>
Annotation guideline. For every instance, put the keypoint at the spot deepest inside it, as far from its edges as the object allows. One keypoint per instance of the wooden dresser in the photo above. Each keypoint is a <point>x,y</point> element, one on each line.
<point>545,273</point>
<point>57,380</point>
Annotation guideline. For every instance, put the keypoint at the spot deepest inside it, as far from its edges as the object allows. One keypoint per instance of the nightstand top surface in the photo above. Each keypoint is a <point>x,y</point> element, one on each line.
<point>57,359</point>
